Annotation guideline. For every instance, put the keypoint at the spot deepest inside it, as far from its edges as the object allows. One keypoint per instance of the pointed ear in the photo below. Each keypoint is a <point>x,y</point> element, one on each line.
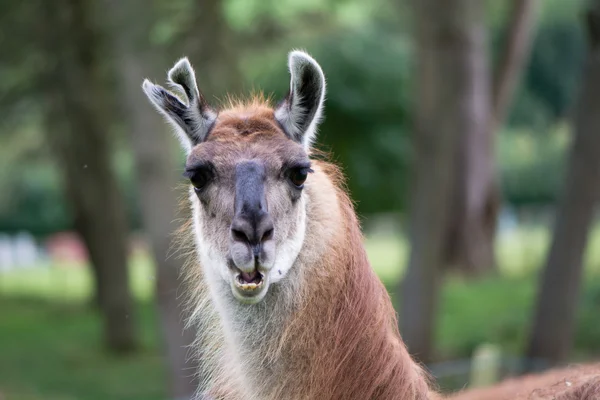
<point>193,120</point>
<point>302,109</point>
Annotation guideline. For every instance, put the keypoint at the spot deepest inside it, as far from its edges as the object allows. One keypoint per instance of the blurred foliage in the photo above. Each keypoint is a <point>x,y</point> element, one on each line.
<point>532,167</point>
<point>365,49</point>
<point>549,85</point>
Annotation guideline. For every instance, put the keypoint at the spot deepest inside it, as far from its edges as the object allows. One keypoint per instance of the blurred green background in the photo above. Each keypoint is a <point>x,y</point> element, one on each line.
<point>51,344</point>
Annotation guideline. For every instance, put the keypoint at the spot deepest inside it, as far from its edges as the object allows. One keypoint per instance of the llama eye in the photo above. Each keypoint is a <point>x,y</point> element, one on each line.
<point>298,176</point>
<point>198,180</point>
<point>199,175</point>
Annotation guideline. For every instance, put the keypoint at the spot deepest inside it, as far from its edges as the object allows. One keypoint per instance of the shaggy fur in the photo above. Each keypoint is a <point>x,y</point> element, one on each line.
<point>329,330</point>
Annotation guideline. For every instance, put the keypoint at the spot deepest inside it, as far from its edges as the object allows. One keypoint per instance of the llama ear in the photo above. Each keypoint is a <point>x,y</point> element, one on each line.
<point>193,120</point>
<point>301,110</point>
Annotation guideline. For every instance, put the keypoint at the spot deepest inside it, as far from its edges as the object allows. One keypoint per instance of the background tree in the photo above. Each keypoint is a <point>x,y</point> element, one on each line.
<point>457,44</point>
<point>446,34</point>
<point>476,198</point>
<point>519,36</point>
<point>79,135</point>
<point>156,177</point>
<point>551,337</point>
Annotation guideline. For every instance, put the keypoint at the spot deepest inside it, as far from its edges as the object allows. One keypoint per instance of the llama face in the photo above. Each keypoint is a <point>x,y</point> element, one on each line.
<point>249,207</point>
<point>247,167</point>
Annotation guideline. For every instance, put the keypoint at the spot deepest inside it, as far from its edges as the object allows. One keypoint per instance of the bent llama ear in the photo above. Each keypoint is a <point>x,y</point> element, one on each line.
<point>193,120</point>
<point>302,109</point>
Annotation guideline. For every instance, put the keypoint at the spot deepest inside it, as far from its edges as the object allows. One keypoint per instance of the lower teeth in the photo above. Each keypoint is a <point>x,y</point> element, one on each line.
<point>247,285</point>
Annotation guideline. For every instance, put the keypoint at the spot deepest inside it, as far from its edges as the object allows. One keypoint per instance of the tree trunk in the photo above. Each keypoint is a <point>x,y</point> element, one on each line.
<point>476,201</point>
<point>470,240</point>
<point>554,319</point>
<point>157,176</point>
<point>78,135</point>
<point>513,58</point>
<point>446,34</point>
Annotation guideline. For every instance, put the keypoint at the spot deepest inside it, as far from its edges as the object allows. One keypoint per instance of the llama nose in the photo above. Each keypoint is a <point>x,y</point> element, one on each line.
<point>251,223</point>
<point>253,229</point>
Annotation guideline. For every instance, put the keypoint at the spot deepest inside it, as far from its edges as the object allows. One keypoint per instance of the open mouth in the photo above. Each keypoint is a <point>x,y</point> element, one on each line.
<point>249,282</point>
<point>248,287</point>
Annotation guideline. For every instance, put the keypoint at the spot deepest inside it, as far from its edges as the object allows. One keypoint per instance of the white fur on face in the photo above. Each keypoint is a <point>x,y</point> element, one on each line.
<point>213,252</point>
<point>287,252</point>
<point>213,260</point>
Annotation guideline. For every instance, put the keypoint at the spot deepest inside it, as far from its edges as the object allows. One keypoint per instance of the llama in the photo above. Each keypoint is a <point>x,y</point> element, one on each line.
<point>289,304</point>
<point>281,288</point>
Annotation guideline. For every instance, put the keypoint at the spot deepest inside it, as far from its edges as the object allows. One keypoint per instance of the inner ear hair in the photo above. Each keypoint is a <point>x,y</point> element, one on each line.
<point>302,109</point>
<point>183,78</point>
<point>192,121</point>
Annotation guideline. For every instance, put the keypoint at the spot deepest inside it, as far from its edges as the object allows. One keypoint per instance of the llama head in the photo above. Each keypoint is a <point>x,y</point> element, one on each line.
<point>247,165</point>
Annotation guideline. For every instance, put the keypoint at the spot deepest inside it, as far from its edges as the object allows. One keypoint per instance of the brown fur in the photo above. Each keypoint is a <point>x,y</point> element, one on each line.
<point>340,338</point>
<point>572,383</point>
<point>344,343</point>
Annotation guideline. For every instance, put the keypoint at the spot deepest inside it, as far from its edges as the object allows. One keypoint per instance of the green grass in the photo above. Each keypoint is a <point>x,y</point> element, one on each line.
<point>51,348</point>
<point>53,351</point>
<point>71,282</point>
<point>519,254</point>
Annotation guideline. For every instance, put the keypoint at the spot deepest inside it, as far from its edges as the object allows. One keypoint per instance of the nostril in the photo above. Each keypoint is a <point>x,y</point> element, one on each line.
<point>267,235</point>
<point>245,230</point>
<point>239,235</point>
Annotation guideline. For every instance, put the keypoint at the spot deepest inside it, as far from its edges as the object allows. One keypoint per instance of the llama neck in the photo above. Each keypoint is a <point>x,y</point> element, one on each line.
<point>345,340</point>
<point>328,331</point>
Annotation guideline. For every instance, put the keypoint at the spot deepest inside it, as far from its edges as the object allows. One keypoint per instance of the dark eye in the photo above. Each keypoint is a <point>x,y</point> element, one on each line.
<point>199,179</point>
<point>298,176</point>
<point>200,174</point>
